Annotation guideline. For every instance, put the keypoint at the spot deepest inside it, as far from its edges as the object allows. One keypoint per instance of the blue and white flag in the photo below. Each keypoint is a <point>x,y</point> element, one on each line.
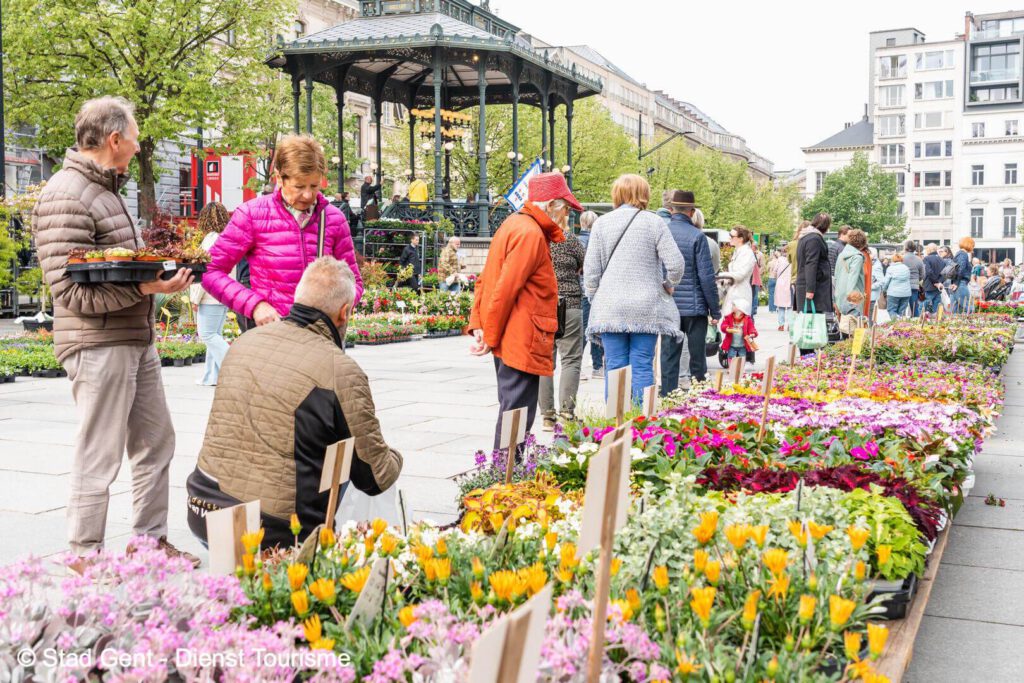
<point>516,197</point>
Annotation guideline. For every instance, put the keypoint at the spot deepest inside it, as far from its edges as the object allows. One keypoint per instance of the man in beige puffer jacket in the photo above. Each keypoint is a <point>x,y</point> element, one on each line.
<point>103,332</point>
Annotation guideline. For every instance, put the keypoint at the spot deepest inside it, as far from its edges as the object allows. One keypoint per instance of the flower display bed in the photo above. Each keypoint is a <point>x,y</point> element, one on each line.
<point>745,556</point>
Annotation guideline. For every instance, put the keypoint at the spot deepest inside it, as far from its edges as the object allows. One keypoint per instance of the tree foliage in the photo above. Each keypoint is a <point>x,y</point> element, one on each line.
<point>183,63</point>
<point>864,196</point>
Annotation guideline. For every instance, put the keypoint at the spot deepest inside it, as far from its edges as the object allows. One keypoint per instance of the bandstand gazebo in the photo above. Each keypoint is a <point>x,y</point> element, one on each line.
<point>439,55</point>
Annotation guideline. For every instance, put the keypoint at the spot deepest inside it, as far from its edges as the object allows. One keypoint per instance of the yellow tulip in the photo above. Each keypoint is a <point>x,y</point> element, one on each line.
<point>851,642</point>
<point>806,611</point>
<point>355,581</point>
<point>300,601</point>
<point>776,560</point>
<point>407,615</point>
<point>700,559</point>
<point>327,538</point>
<point>297,575</point>
<point>660,576</point>
<point>713,570</point>
<point>839,610</point>
<point>858,536</point>
<point>251,541</point>
<point>702,602</point>
<point>323,590</point>
<point>877,635</point>
<point>884,554</point>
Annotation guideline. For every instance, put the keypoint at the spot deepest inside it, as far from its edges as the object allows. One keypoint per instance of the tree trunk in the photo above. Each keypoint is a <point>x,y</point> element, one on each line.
<point>147,179</point>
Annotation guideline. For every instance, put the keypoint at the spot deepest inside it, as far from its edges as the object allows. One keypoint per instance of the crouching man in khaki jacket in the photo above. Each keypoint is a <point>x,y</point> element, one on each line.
<point>286,392</point>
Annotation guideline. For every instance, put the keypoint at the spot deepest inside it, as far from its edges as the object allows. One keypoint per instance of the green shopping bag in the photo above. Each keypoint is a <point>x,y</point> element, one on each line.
<point>809,330</point>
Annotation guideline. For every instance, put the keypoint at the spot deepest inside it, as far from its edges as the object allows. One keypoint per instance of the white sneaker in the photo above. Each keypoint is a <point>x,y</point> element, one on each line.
<point>597,374</point>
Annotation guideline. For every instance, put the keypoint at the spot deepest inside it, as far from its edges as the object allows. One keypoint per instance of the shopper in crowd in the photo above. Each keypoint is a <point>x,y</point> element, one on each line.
<point>567,258</point>
<point>783,289</point>
<point>411,257</point>
<point>961,294</point>
<point>209,312</point>
<point>515,306</point>
<point>813,288</point>
<point>876,275</point>
<point>280,235</point>
<point>369,199</point>
<point>791,248</point>
<point>896,286</point>
<point>716,250</point>
<point>738,332</point>
<point>978,276</point>
<point>836,246</point>
<point>696,295</point>
<point>1006,270</point>
<point>741,268</point>
<point>269,429</point>
<point>933,284</point>
<point>852,275</point>
<point>449,267</point>
<point>772,271</point>
<point>587,219</point>
<point>631,268</point>
<point>915,264</point>
<point>757,278</point>
<point>103,334</point>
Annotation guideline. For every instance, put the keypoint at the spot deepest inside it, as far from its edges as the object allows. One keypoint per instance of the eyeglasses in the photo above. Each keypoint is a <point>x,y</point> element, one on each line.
<point>732,234</point>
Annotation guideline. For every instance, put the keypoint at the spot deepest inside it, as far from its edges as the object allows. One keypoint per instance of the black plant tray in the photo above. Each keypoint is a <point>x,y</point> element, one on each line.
<point>130,271</point>
<point>50,373</point>
<point>896,602</point>
<point>35,325</point>
<point>382,342</point>
<point>4,379</point>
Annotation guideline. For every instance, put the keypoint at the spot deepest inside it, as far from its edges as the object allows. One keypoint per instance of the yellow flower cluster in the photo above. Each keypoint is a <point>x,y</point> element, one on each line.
<point>525,501</point>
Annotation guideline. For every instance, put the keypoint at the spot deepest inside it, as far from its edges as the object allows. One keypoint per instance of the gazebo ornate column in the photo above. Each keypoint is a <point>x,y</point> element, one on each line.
<point>309,97</point>
<point>553,105</point>
<point>412,134</point>
<point>482,196</point>
<point>438,198</point>
<point>517,70</point>
<point>339,91</point>
<point>568,142</point>
<point>544,148</point>
<point>295,104</point>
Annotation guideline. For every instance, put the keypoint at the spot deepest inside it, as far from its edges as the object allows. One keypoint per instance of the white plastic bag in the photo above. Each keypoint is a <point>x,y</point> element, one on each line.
<point>882,317</point>
<point>356,505</point>
<point>944,298</point>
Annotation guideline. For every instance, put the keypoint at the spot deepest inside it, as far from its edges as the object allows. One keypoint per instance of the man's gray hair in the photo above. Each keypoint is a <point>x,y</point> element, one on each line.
<point>587,219</point>
<point>931,248</point>
<point>99,118</point>
<point>327,285</point>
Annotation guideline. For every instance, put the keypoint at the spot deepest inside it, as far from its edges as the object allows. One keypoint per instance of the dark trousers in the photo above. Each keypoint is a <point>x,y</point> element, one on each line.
<point>516,389</point>
<point>695,328</point>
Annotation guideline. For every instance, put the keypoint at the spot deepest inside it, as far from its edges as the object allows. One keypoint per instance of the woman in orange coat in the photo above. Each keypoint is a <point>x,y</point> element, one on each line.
<point>515,306</point>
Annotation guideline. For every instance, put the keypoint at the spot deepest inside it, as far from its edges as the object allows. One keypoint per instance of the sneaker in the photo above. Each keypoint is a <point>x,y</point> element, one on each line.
<point>598,373</point>
<point>782,328</point>
<point>163,544</point>
<point>79,565</point>
<point>549,424</point>
<point>565,418</point>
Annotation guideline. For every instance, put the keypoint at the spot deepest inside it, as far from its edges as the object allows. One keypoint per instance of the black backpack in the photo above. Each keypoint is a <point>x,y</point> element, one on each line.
<point>951,272</point>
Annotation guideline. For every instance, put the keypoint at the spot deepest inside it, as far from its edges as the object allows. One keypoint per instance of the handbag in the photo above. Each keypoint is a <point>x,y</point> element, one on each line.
<point>809,330</point>
<point>712,341</point>
<point>321,233</point>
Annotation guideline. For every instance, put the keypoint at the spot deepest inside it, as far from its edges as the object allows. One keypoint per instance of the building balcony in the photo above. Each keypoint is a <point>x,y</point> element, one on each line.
<point>891,74</point>
<point>995,76</point>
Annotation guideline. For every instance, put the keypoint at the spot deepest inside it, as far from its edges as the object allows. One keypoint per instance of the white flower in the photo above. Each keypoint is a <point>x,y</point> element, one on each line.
<point>637,454</point>
<point>581,458</point>
<point>561,459</point>
<point>588,448</point>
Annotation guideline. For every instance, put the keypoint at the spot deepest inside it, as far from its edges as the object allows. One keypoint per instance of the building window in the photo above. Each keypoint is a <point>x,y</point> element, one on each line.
<point>977,223</point>
<point>933,150</point>
<point>978,130</point>
<point>1011,127</point>
<point>995,63</point>
<point>933,90</point>
<point>1010,93</point>
<point>1010,174</point>
<point>901,182</point>
<point>819,180</point>
<point>931,119</point>
<point>933,179</point>
<point>892,125</point>
<point>900,208</point>
<point>932,209</point>
<point>891,95</point>
<point>893,155</point>
<point>890,42</point>
<point>977,175</point>
<point>917,209</point>
<point>941,59</point>
<point>299,27</point>
<point>894,66</point>
<point>1010,223</point>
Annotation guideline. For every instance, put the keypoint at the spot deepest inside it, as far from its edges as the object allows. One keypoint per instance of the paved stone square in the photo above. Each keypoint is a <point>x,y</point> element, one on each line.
<point>437,404</point>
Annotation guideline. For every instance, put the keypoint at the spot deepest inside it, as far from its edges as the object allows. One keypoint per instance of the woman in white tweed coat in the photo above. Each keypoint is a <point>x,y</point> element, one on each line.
<point>740,270</point>
<point>630,290</point>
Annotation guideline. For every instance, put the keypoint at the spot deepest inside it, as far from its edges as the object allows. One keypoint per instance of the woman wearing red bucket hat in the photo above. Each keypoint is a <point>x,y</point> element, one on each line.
<point>515,307</point>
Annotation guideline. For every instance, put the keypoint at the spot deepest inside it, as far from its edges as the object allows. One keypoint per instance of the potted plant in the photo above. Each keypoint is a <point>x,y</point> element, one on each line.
<point>77,255</point>
<point>147,254</point>
<point>95,256</point>
<point>119,254</point>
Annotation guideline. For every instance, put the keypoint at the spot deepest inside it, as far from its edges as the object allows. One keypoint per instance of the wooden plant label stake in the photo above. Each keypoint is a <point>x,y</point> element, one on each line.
<point>371,598</point>
<point>817,374</point>
<point>224,529</point>
<point>769,381</point>
<point>605,506</point>
<point>337,466</point>
<point>509,650</point>
<point>736,369</point>
<point>794,354</point>
<point>619,394</point>
<point>513,433</point>
<point>719,381</point>
<point>619,432</point>
<point>940,314</point>
<point>650,408</point>
<point>858,346</point>
<point>657,362</point>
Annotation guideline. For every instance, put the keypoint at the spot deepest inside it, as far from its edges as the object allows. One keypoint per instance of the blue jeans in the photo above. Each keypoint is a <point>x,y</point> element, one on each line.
<point>771,295</point>
<point>596,351</point>
<point>737,352</point>
<point>960,298</point>
<point>915,303</point>
<point>634,350</point>
<point>782,312</point>
<point>753,301</point>
<point>897,305</point>
<point>210,324</point>
<point>932,300</point>
<point>453,288</point>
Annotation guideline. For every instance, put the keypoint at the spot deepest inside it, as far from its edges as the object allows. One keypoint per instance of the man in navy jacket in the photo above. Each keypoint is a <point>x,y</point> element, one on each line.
<point>696,295</point>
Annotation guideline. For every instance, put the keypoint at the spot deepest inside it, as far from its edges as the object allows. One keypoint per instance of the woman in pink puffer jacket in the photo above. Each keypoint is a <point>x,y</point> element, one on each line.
<point>266,232</point>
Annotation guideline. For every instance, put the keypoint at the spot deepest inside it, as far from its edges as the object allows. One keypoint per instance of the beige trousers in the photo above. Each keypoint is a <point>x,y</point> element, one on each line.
<point>119,396</point>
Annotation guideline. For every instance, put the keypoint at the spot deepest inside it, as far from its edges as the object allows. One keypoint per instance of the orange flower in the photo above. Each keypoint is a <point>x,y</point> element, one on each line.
<point>327,538</point>
<point>818,531</point>
<point>839,611</point>
<point>759,534</point>
<point>799,532</point>
<point>779,587</point>
<point>355,581</point>
<point>407,615</point>
<point>323,590</point>
<point>616,566</point>
<point>877,635</point>
<point>503,583</point>
<point>442,569</point>
<point>701,603</point>
<point>884,554</point>
<point>312,629</point>
<point>707,528</point>
<point>776,560</point>
<point>248,564</point>
<point>476,592</point>
<point>379,526</point>
<point>750,609</point>
<point>859,571</point>
<point>251,541</point>
<point>806,611</point>
<point>713,570</point>
<point>300,601</point>
<point>388,544</point>
<point>624,609</point>
<point>568,555</point>
<point>851,643</point>
<point>550,539</point>
<point>442,547</point>
<point>684,665</point>
<point>294,526</point>
<point>738,534</point>
<point>700,559</point>
<point>660,576</point>
<point>478,568</point>
<point>268,584</point>
<point>297,575</point>
<point>564,574</point>
<point>858,536</point>
<point>633,598</point>
<point>535,578</point>
<point>423,553</point>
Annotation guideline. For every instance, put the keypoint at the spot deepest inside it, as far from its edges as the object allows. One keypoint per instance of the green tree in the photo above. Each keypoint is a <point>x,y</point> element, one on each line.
<point>182,63</point>
<point>861,195</point>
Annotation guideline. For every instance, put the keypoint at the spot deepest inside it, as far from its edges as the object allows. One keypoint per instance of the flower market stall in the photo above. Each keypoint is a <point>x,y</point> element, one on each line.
<point>781,537</point>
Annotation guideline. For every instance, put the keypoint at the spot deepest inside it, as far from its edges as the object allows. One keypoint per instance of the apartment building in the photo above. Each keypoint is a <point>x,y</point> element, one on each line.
<point>944,117</point>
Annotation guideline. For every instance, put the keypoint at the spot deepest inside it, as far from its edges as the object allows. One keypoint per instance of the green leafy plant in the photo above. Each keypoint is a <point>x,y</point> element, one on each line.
<point>890,526</point>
